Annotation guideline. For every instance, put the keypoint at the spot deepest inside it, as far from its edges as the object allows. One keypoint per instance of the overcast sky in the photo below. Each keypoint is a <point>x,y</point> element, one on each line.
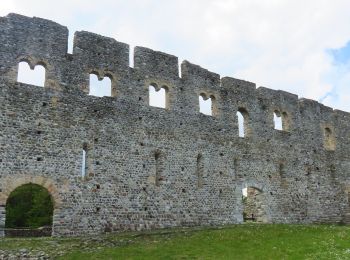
<point>300,46</point>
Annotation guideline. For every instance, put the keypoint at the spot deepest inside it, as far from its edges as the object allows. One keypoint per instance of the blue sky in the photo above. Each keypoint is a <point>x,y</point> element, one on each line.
<point>339,78</point>
<point>341,56</point>
<point>297,46</point>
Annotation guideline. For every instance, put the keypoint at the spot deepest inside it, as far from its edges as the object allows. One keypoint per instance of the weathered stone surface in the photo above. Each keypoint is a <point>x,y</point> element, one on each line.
<point>149,167</point>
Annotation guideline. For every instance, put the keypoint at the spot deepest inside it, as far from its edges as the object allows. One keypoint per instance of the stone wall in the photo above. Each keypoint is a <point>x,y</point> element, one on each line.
<point>27,232</point>
<point>254,208</point>
<point>142,161</point>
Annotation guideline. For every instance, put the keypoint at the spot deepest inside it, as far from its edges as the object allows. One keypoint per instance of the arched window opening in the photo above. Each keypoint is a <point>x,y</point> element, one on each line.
<point>84,163</point>
<point>158,97</point>
<point>242,118</point>
<point>277,119</point>
<point>100,88</point>
<point>200,171</point>
<point>34,76</point>
<point>253,205</point>
<point>281,120</point>
<point>329,139</point>
<point>207,105</point>
<point>29,206</point>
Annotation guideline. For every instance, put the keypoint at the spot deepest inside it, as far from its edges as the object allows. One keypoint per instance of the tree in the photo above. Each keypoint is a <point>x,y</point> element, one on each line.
<point>29,206</point>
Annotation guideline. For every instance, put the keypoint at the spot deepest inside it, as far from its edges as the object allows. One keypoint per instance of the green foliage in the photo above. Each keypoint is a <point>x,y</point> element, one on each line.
<point>29,206</point>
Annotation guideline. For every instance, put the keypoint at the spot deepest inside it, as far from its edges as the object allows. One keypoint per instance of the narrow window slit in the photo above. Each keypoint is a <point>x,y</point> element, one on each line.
<point>242,118</point>
<point>131,56</point>
<point>329,139</point>
<point>277,119</point>
<point>158,158</point>
<point>70,42</point>
<point>84,165</point>
<point>199,171</point>
<point>281,169</point>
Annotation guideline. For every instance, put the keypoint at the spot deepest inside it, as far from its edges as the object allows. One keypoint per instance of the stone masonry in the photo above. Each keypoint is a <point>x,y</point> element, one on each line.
<point>148,167</point>
<point>254,205</point>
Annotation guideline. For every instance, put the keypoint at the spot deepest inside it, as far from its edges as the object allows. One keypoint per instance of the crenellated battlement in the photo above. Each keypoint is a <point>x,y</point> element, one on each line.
<point>43,42</point>
<point>160,167</point>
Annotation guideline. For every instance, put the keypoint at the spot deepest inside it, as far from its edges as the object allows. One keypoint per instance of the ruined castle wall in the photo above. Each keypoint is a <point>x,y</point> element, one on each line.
<point>150,167</point>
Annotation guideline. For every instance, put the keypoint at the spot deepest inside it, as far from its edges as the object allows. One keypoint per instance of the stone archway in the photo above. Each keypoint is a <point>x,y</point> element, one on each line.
<point>254,205</point>
<point>15,181</point>
<point>29,211</point>
<point>253,209</point>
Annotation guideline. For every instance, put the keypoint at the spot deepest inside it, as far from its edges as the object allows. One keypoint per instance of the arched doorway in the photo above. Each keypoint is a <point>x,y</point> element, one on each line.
<point>253,205</point>
<point>29,211</point>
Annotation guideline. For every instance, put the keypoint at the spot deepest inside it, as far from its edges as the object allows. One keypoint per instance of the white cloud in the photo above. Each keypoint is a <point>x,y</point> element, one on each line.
<point>275,43</point>
<point>6,7</point>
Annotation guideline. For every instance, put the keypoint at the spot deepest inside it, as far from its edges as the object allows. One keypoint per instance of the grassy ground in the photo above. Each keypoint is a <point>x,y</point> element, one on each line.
<point>249,241</point>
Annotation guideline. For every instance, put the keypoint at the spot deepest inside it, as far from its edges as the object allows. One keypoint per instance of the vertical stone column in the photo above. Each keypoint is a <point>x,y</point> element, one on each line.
<point>2,220</point>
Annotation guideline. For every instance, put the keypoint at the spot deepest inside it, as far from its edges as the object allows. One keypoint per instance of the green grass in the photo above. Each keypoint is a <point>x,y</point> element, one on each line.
<point>249,241</point>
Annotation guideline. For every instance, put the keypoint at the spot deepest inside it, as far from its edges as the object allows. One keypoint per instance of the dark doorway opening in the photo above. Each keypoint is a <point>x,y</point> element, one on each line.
<point>29,211</point>
<point>253,205</point>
